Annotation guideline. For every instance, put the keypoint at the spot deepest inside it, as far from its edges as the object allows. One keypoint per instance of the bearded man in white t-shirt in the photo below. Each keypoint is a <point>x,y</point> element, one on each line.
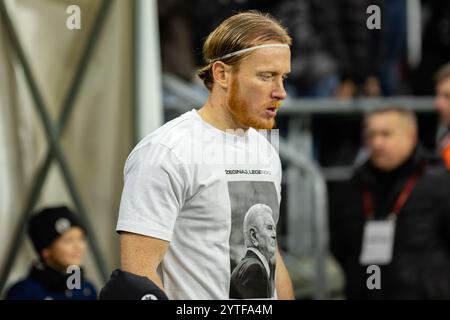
<point>189,183</point>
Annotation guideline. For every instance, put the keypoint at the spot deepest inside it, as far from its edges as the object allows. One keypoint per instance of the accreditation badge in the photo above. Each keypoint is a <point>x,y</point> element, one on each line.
<point>378,241</point>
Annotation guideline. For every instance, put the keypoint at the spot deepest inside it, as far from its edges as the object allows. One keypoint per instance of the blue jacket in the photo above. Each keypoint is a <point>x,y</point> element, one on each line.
<point>44,283</point>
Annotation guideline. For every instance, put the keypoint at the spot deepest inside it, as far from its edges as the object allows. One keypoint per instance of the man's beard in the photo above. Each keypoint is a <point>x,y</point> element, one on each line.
<point>241,111</point>
<point>270,256</point>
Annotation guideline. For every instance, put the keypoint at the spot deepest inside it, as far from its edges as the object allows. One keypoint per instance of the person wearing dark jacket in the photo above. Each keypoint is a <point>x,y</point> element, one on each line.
<point>58,238</point>
<point>314,70</point>
<point>442,103</point>
<point>403,186</point>
<point>358,51</point>
<point>435,44</point>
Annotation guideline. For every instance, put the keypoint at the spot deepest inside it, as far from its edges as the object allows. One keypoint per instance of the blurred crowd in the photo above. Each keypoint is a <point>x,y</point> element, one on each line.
<point>334,54</point>
<point>399,185</point>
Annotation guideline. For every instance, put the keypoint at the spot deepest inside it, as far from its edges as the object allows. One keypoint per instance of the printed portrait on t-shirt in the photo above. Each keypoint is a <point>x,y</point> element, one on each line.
<point>254,215</point>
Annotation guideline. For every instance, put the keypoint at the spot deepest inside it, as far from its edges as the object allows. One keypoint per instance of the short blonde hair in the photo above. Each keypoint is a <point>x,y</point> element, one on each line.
<point>240,31</point>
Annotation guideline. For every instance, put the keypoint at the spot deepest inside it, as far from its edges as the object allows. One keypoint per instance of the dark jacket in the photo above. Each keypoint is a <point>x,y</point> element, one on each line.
<point>250,280</point>
<point>44,283</point>
<point>420,267</point>
<point>435,45</point>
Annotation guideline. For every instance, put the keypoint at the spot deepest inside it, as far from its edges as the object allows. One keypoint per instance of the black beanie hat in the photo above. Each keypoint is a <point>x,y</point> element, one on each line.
<point>50,223</point>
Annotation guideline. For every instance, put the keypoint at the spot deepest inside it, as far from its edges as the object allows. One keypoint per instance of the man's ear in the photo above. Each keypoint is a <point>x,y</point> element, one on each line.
<point>253,237</point>
<point>221,73</point>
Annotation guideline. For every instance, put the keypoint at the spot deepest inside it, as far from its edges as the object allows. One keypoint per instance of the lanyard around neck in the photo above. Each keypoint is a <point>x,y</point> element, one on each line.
<point>368,207</point>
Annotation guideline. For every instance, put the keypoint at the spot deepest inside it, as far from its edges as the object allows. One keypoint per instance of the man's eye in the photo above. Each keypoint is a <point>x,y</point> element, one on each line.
<point>266,76</point>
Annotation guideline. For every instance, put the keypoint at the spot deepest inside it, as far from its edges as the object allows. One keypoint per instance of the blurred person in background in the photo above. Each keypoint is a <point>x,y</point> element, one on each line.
<point>59,240</point>
<point>435,44</point>
<point>442,103</point>
<point>177,49</point>
<point>393,75</point>
<point>394,213</point>
<point>333,54</point>
<point>314,69</point>
<point>358,51</point>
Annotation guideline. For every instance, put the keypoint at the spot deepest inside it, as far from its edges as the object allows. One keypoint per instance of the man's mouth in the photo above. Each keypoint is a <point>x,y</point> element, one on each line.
<point>271,111</point>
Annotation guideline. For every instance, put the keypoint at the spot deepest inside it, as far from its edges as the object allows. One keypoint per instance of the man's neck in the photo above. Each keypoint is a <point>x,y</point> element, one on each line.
<point>215,112</point>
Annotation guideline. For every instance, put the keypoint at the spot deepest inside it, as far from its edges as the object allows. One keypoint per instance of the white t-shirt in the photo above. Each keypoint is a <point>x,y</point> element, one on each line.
<point>191,184</point>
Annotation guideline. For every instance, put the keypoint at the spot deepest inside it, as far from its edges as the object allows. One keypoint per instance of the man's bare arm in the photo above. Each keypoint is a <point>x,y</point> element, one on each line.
<point>142,255</point>
<point>285,291</point>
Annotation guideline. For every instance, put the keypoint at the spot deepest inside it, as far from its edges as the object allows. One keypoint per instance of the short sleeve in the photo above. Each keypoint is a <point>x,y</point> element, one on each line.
<point>154,192</point>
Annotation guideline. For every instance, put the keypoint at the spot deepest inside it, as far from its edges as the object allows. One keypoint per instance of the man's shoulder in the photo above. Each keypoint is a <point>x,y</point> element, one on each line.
<point>166,140</point>
<point>251,267</point>
<point>250,263</point>
<point>170,133</point>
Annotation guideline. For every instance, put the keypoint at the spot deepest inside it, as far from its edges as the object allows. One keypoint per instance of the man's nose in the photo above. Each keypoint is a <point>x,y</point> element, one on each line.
<point>279,93</point>
<point>376,143</point>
